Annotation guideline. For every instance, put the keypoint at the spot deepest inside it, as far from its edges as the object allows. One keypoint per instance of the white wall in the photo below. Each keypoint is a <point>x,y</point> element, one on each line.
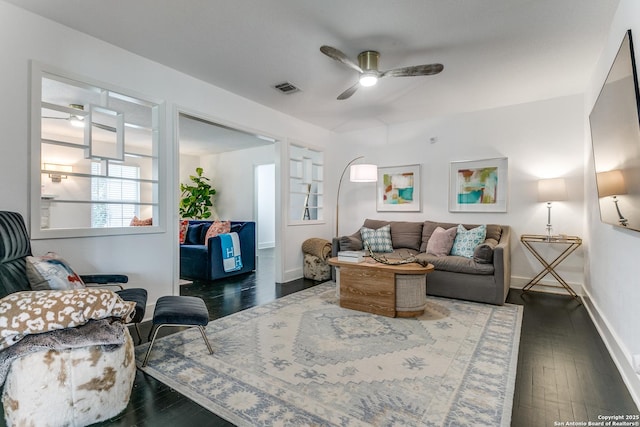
<point>265,205</point>
<point>149,259</point>
<point>232,176</point>
<point>541,140</point>
<point>611,275</point>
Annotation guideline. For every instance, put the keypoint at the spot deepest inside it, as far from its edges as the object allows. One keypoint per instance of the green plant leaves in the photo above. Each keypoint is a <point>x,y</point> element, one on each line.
<point>196,199</point>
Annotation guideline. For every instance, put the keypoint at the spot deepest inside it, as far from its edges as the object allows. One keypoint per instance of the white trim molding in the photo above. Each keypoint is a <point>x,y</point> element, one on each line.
<point>619,353</point>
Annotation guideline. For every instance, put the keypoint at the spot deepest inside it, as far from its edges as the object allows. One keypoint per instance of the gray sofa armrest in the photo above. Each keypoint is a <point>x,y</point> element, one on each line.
<point>502,263</point>
<point>335,246</point>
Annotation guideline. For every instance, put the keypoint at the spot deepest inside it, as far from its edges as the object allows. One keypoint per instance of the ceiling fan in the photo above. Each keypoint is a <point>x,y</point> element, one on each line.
<point>367,66</point>
<point>78,120</point>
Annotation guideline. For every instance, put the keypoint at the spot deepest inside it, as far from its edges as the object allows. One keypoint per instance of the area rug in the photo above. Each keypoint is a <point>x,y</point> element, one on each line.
<point>303,360</point>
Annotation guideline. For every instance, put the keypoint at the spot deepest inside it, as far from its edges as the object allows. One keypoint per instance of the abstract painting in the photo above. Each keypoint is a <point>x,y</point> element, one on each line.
<point>478,186</point>
<point>399,188</point>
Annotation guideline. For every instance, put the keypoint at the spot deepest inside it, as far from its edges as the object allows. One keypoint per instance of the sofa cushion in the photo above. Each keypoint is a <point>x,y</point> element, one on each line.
<point>456,264</point>
<point>467,240</point>
<point>196,233</point>
<point>441,241</point>
<point>137,222</point>
<point>354,241</point>
<point>378,240</point>
<point>494,231</point>
<point>217,227</point>
<point>184,226</point>
<point>406,234</point>
<point>483,253</point>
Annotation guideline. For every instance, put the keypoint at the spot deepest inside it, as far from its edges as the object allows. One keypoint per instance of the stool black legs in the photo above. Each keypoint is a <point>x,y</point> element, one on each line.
<point>155,330</point>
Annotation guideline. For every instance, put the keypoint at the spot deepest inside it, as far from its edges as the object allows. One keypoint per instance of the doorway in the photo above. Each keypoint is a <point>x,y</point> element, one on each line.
<point>242,168</point>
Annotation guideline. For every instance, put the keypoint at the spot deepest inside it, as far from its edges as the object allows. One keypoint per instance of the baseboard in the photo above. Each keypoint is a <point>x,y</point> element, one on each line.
<point>617,350</point>
<point>266,245</point>
<point>293,274</point>
<point>549,286</point>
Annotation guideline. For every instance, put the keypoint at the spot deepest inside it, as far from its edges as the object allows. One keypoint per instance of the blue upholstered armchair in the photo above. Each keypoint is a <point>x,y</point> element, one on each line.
<point>202,260</point>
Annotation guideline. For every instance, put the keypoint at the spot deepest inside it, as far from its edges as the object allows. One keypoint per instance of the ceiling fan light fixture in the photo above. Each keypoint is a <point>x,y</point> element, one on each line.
<point>76,121</point>
<point>368,79</point>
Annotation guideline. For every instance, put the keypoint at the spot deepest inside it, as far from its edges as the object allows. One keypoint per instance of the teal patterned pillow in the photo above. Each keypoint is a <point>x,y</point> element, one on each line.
<point>467,240</point>
<point>379,240</point>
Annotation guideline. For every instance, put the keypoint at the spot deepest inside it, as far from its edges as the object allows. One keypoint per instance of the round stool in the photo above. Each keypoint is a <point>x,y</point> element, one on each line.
<point>179,311</point>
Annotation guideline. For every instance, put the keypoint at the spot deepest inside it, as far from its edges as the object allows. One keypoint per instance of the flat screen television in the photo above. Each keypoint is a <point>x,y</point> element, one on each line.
<point>615,136</point>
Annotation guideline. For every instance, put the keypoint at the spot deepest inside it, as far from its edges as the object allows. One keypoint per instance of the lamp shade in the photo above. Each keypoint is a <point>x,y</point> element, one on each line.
<point>610,183</point>
<point>552,190</point>
<point>363,173</point>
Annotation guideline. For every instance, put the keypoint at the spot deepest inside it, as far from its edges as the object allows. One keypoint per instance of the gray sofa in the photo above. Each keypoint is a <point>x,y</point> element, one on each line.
<point>483,278</point>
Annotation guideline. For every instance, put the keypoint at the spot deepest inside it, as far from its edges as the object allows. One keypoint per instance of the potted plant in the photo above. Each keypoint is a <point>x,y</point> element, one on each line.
<point>196,198</point>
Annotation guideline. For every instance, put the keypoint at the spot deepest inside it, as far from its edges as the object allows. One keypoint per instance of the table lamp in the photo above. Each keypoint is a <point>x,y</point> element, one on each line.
<point>611,183</point>
<point>551,190</point>
<point>358,173</point>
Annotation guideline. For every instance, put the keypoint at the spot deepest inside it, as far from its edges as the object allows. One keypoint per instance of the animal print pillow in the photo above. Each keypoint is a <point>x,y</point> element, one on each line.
<point>36,312</point>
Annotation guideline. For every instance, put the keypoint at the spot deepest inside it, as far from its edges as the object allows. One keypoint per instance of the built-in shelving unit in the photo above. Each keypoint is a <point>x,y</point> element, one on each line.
<point>306,184</point>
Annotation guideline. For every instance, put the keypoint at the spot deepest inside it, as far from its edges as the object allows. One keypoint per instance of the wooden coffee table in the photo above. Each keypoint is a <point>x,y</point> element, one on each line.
<point>389,290</point>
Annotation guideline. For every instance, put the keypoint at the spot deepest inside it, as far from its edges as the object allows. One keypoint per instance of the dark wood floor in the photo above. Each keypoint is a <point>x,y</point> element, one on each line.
<point>564,370</point>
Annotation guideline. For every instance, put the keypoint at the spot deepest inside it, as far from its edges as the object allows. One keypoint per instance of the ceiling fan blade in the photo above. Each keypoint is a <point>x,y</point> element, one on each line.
<point>103,127</point>
<point>416,70</point>
<point>347,93</point>
<point>97,125</point>
<point>336,54</point>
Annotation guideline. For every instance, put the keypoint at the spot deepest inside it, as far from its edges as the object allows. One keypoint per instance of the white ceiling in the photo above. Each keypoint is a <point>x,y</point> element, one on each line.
<point>199,137</point>
<point>495,52</point>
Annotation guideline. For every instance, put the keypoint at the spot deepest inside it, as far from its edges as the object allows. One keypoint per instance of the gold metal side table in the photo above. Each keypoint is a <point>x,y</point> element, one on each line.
<point>572,243</point>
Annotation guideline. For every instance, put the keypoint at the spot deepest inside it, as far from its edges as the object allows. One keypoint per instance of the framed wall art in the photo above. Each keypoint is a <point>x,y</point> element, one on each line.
<point>478,186</point>
<point>399,189</point>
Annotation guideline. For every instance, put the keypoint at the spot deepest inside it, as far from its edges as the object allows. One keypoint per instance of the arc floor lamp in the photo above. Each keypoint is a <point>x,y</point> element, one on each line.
<point>358,173</point>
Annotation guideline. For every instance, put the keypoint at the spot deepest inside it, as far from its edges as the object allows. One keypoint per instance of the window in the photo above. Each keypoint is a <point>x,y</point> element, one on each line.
<point>119,197</point>
<point>97,152</point>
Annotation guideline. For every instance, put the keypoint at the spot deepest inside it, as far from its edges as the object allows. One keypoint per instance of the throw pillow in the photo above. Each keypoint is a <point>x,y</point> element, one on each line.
<point>379,240</point>
<point>51,271</point>
<point>184,226</point>
<point>217,227</point>
<point>467,240</point>
<point>483,253</point>
<point>195,233</point>
<point>137,222</point>
<point>441,241</point>
<point>35,312</point>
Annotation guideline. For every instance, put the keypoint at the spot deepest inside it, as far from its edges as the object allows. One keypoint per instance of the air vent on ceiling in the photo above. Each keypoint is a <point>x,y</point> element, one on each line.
<point>287,88</point>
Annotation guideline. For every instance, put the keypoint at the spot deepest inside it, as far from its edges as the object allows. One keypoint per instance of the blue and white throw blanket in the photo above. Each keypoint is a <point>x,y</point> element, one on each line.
<point>231,259</point>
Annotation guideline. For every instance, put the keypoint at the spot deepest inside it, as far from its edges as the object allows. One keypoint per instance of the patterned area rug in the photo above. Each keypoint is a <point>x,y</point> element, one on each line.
<point>303,360</point>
